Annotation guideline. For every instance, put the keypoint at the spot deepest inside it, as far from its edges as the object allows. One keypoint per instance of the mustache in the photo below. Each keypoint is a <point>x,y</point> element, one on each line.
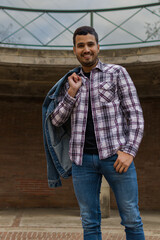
<point>86,54</point>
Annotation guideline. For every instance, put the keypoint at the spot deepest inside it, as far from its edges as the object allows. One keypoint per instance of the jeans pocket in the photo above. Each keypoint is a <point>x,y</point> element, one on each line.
<point>113,157</point>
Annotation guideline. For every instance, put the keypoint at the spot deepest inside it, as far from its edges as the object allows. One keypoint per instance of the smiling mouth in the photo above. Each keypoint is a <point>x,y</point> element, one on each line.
<point>87,56</point>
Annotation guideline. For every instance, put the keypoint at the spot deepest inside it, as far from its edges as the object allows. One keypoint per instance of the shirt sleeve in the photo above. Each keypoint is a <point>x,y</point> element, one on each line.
<point>64,108</point>
<point>132,111</point>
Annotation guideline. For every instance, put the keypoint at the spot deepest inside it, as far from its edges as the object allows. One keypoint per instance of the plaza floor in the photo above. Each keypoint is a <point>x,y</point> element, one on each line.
<point>65,224</point>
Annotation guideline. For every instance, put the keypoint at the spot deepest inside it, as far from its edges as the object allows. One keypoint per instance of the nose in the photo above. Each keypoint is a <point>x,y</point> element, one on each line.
<point>86,48</point>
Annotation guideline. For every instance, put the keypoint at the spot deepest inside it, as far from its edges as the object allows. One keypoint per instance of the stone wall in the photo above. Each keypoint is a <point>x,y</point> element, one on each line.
<point>25,78</point>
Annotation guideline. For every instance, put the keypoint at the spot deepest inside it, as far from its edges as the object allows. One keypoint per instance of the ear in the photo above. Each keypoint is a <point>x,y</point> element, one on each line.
<point>74,49</point>
<point>98,47</point>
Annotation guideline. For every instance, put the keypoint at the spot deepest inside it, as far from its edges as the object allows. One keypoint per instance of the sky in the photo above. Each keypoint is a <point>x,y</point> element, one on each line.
<point>46,28</point>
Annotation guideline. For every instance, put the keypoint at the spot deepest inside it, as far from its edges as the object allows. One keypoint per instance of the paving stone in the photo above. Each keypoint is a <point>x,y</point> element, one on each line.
<point>60,236</point>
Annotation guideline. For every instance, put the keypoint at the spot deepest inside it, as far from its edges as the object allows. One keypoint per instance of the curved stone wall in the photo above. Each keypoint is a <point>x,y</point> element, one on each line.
<point>25,78</point>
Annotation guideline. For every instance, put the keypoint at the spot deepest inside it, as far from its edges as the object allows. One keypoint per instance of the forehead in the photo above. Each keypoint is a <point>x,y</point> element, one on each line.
<point>85,38</point>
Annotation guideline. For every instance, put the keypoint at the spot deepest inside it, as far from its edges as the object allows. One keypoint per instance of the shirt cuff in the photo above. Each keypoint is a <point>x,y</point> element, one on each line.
<point>69,100</point>
<point>130,149</point>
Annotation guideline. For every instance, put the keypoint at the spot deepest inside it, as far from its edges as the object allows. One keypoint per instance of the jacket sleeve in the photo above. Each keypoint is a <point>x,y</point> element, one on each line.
<point>132,111</point>
<point>52,173</point>
<point>64,108</point>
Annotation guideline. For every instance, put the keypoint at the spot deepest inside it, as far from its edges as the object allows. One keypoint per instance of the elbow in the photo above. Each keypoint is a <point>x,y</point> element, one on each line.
<point>56,123</point>
<point>56,120</point>
<point>142,123</point>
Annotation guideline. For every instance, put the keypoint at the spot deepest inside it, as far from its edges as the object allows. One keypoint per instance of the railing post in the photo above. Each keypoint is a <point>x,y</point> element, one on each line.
<point>91,19</point>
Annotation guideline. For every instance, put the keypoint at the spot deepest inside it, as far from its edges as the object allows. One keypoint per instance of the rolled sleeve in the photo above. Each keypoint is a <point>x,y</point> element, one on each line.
<point>63,110</point>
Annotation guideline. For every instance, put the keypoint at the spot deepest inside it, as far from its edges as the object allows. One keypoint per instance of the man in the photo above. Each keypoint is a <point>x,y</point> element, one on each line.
<point>106,130</point>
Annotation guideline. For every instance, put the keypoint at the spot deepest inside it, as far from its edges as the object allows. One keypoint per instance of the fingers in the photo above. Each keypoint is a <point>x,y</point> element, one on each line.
<point>76,78</point>
<point>120,168</point>
<point>75,83</point>
<point>123,162</point>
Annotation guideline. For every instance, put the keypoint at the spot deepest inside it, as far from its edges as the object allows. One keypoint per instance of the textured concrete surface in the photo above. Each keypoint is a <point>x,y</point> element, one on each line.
<point>58,224</point>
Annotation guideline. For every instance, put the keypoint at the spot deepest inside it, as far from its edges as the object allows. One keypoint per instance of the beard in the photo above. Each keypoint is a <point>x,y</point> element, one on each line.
<point>88,63</point>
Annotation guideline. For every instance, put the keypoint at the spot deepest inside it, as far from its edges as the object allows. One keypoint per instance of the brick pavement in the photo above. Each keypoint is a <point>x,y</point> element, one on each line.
<point>52,224</point>
<point>52,236</point>
<point>11,235</point>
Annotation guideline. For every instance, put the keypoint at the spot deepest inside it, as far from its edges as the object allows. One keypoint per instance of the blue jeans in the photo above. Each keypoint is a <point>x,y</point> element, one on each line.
<point>87,183</point>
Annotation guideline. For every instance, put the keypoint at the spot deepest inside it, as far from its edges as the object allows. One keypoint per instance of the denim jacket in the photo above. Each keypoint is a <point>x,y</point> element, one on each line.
<point>56,139</point>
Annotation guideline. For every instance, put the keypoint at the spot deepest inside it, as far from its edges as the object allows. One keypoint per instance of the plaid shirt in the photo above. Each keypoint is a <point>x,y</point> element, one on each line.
<point>116,111</point>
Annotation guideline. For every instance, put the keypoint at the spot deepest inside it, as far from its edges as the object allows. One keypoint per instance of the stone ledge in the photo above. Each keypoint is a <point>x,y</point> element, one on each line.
<point>66,57</point>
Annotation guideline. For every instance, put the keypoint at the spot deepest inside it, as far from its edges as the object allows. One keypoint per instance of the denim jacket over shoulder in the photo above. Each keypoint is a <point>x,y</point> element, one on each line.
<point>56,139</point>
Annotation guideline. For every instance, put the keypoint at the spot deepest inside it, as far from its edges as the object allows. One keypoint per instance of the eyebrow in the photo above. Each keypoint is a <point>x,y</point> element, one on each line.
<point>84,43</point>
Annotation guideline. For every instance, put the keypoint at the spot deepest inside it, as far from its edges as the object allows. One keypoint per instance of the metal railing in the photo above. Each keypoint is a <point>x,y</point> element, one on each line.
<point>43,28</point>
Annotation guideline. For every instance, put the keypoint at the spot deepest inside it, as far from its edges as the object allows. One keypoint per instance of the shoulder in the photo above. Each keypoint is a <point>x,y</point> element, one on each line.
<point>112,68</point>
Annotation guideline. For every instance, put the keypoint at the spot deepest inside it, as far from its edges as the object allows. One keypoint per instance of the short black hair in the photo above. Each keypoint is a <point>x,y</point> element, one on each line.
<point>84,30</point>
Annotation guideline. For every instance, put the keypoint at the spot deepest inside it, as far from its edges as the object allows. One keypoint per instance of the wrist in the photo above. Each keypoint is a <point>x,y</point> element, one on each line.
<point>120,152</point>
<point>72,92</point>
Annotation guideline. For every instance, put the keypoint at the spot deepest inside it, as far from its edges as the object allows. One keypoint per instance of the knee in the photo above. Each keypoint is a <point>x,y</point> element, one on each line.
<point>134,223</point>
<point>131,219</point>
<point>90,222</point>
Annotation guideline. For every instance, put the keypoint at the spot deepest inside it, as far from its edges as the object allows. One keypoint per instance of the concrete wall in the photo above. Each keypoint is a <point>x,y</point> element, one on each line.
<point>25,78</point>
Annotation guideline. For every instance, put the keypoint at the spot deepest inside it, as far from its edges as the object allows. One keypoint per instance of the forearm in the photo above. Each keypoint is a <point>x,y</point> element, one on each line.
<point>133,141</point>
<point>135,123</point>
<point>65,107</point>
<point>63,110</point>
<point>132,111</point>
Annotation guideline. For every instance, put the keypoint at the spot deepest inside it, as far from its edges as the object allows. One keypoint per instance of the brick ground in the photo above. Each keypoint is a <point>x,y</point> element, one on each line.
<point>40,224</point>
<point>60,236</point>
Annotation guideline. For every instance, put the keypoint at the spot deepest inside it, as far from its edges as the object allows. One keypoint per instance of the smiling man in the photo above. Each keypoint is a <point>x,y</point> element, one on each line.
<point>106,131</point>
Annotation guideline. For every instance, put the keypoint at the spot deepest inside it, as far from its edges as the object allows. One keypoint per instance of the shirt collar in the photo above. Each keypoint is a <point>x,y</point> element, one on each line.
<point>98,66</point>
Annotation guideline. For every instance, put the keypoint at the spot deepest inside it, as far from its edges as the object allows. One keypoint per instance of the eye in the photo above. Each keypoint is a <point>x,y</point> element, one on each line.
<point>91,44</point>
<point>80,46</point>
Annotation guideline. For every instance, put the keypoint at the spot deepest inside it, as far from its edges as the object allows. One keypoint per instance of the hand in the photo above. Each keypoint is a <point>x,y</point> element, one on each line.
<point>75,83</point>
<point>123,162</point>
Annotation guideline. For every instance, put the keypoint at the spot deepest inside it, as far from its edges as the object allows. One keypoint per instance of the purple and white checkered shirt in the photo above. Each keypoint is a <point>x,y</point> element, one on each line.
<point>116,111</point>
